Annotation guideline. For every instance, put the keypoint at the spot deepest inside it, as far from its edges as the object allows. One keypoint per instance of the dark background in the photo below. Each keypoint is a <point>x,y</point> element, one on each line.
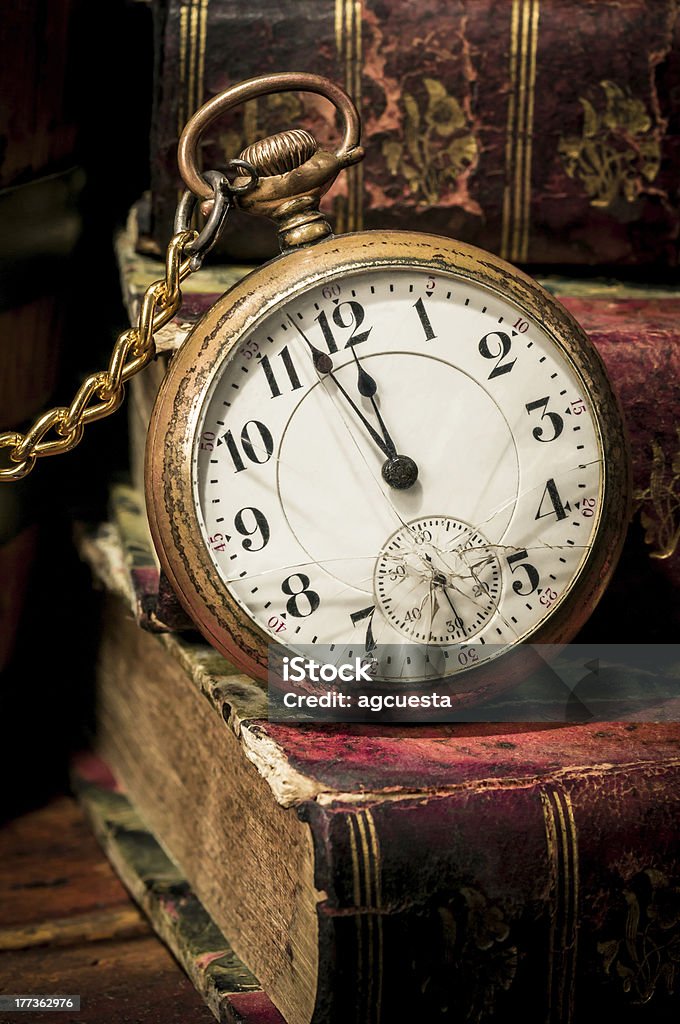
<point>99,122</point>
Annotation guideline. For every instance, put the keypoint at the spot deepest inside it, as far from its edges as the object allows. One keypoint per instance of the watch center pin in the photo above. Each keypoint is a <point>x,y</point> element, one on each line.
<point>400,472</point>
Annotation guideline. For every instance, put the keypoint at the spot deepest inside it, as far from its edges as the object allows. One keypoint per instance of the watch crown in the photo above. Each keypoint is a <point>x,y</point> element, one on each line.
<point>280,153</point>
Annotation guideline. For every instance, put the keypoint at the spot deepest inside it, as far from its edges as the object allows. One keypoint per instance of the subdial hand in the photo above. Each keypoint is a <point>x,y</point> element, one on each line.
<point>439,580</point>
<point>459,624</point>
<point>434,604</point>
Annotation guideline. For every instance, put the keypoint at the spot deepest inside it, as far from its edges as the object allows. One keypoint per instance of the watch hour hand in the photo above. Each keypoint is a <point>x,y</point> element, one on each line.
<point>368,388</point>
<point>380,441</point>
<point>399,471</point>
<point>323,364</point>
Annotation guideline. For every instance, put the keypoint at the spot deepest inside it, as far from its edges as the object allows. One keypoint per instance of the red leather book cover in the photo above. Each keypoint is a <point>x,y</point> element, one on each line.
<point>545,130</point>
<point>464,872</point>
<point>499,873</point>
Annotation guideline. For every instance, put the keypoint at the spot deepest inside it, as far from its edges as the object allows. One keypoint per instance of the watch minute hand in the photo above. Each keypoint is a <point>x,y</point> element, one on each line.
<point>323,364</point>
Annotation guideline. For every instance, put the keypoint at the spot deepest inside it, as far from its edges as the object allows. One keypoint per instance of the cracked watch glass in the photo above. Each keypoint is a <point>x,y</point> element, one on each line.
<point>388,444</point>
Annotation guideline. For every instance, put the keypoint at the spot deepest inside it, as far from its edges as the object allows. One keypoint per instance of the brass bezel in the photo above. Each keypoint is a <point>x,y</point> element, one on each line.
<point>169,495</point>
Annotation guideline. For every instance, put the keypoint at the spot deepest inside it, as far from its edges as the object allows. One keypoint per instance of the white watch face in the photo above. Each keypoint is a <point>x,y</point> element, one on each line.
<point>398,458</point>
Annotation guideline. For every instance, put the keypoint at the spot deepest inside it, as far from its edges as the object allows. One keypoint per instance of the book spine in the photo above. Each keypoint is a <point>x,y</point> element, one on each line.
<point>544,130</point>
<point>552,903</point>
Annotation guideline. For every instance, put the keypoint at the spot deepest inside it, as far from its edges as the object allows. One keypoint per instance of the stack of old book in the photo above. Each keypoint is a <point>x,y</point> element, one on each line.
<point>451,872</point>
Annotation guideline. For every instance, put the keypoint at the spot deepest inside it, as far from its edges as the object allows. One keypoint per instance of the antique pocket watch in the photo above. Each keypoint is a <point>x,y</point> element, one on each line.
<point>383,438</point>
<point>380,438</point>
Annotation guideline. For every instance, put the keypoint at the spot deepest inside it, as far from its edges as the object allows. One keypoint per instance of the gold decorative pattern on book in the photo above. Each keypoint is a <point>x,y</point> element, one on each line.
<point>519,133</point>
<point>466,955</point>
<point>562,842</point>
<point>367,894</point>
<point>348,41</point>
<point>644,959</point>
<point>438,146</point>
<point>618,153</point>
<point>660,502</point>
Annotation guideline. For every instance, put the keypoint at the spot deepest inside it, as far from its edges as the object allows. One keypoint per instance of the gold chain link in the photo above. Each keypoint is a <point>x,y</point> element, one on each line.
<point>134,348</point>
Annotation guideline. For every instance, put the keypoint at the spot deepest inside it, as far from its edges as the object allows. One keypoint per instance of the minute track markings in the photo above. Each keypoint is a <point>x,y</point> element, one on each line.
<point>400,295</point>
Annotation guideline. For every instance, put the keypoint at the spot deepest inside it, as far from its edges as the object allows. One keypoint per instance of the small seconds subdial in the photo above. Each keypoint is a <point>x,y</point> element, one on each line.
<point>437,580</point>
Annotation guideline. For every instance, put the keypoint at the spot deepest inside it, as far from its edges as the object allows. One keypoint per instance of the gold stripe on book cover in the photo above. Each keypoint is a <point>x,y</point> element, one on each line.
<point>562,843</point>
<point>348,41</point>
<point>193,26</point>
<point>367,895</point>
<point>519,132</point>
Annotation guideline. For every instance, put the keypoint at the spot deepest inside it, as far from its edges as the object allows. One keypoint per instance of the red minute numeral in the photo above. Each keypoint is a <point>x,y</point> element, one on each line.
<point>250,349</point>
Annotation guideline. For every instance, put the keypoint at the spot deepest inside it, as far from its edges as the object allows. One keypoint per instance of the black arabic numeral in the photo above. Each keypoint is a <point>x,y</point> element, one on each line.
<point>261,526</point>
<point>499,354</point>
<point>366,613</point>
<point>356,318</point>
<point>253,450</point>
<point>553,495</point>
<point>533,577</point>
<point>356,314</point>
<point>327,332</point>
<point>288,366</point>
<point>554,417</point>
<point>311,597</point>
